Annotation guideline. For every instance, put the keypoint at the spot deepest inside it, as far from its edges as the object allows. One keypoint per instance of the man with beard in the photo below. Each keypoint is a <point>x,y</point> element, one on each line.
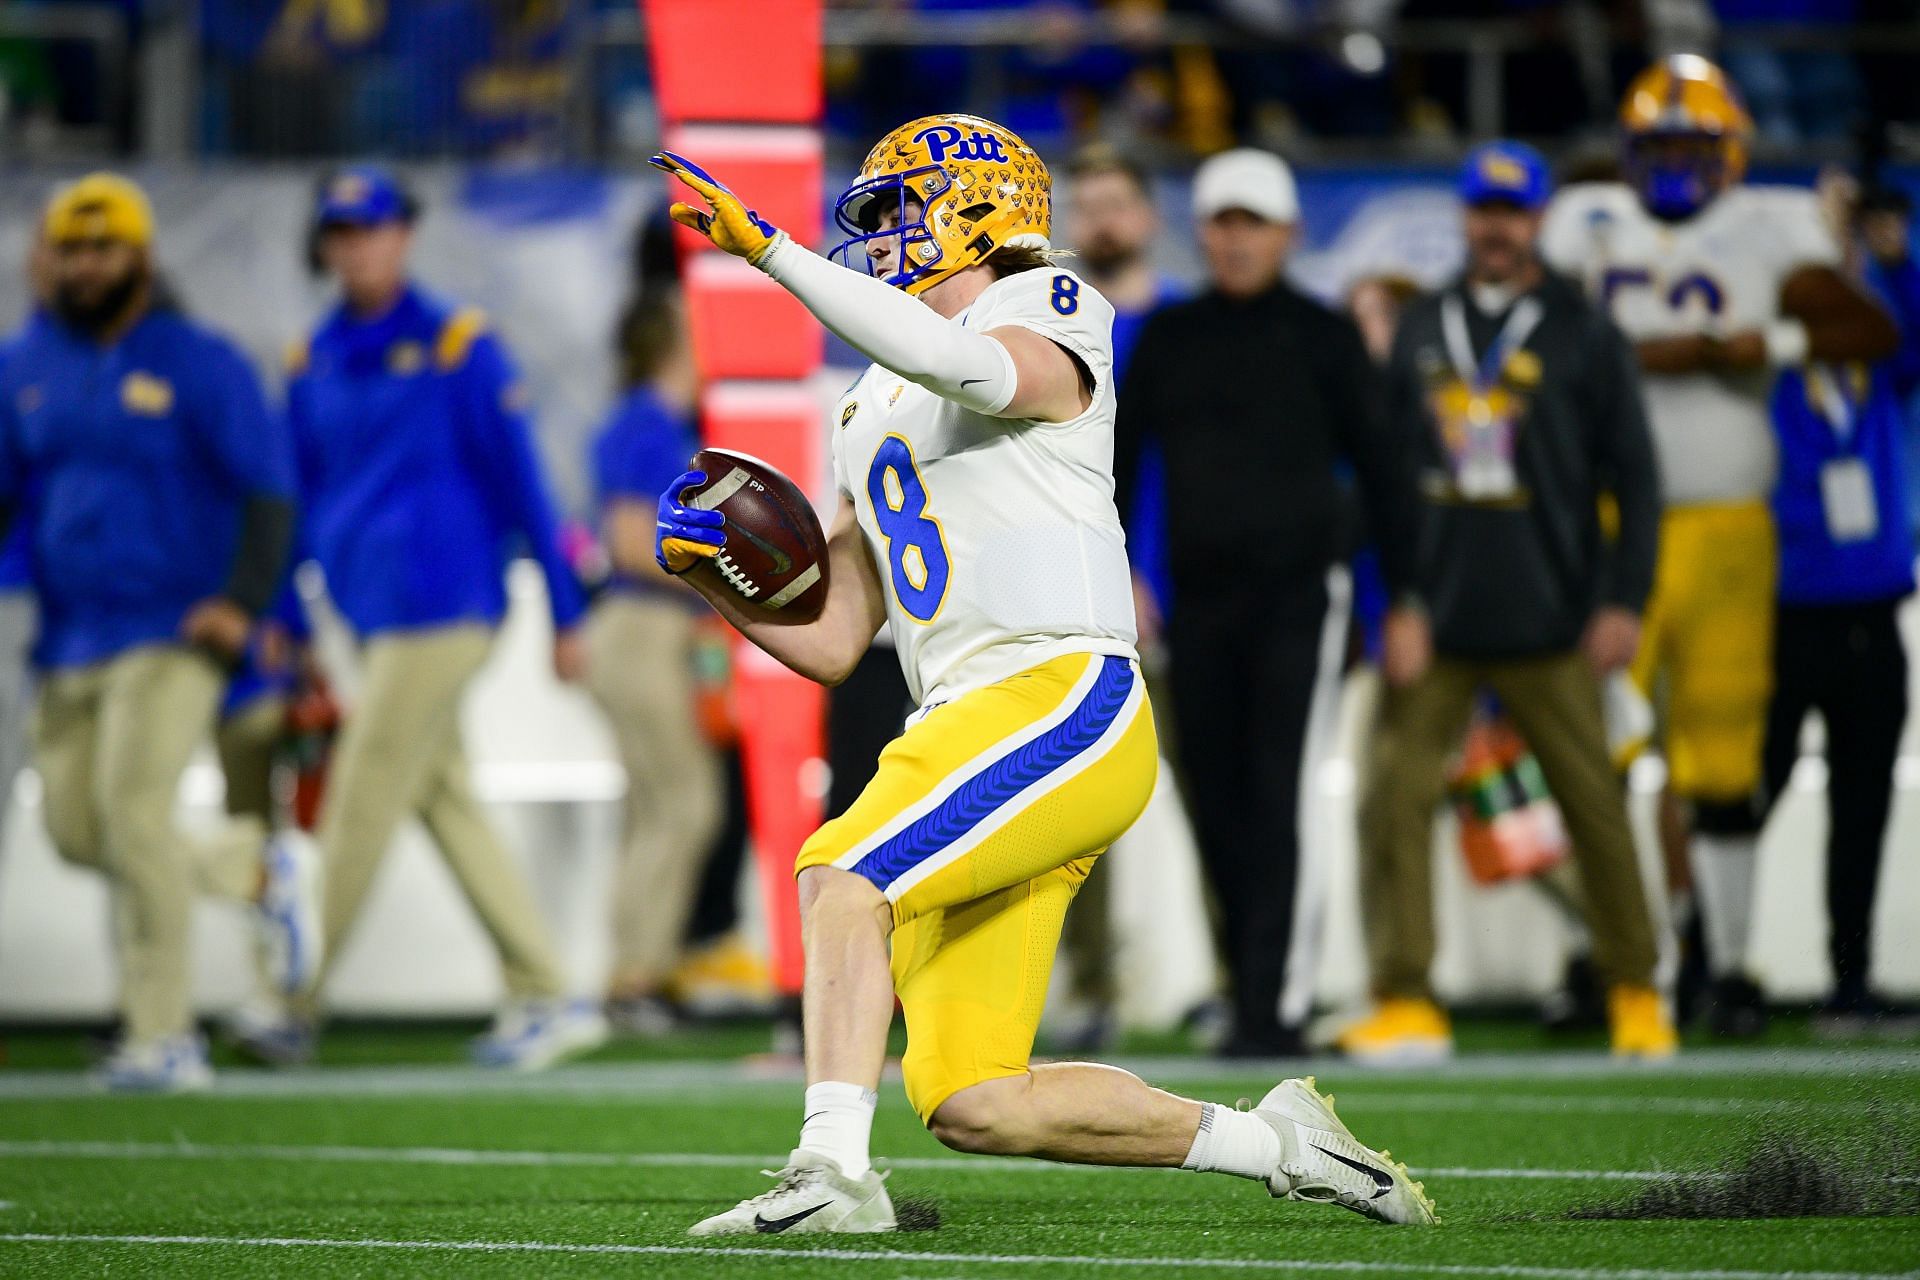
<point>1520,402</point>
<point>1112,223</point>
<point>156,490</point>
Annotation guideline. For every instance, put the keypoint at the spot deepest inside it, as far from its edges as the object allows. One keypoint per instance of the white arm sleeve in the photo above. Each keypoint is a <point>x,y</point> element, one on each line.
<point>897,331</point>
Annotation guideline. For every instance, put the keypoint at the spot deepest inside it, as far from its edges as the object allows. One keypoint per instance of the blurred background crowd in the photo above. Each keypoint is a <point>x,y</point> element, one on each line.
<point>506,245</point>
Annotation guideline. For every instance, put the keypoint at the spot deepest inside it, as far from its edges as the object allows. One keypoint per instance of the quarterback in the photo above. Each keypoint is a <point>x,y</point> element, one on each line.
<point>1719,285</point>
<point>976,520</point>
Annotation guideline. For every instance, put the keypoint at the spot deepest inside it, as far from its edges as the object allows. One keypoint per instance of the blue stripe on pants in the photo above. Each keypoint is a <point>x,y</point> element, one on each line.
<point>976,799</point>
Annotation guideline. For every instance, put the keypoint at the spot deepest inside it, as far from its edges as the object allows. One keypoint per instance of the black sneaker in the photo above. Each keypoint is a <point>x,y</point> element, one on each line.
<point>1736,1009</point>
<point>1580,1005</point>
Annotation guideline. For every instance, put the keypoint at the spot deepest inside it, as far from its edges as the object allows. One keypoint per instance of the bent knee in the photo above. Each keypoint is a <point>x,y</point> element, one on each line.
<point>989,1118</point>
<point>829,892</point>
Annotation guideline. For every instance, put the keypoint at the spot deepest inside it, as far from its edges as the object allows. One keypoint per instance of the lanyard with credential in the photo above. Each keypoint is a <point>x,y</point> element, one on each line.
<point>1479,376</point>
<point>1834,404</point>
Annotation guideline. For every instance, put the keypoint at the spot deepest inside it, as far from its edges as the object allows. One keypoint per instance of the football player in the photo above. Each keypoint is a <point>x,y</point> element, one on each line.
<point>976,520</point>
<point>1719,285</point>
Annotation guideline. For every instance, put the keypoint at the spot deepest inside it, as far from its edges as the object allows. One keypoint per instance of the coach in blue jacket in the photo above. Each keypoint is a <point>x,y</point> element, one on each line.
<point>157,495</point>
<point>419,478</point>
<point>1846,563</point>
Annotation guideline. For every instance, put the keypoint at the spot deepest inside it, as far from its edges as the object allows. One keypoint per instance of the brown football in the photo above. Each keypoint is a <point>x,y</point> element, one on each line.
<point>776,553</point>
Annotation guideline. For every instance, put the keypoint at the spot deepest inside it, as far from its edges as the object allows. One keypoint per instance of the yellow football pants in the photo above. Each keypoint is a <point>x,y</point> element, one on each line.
<point>1708,637</point>
<point>984,818</point>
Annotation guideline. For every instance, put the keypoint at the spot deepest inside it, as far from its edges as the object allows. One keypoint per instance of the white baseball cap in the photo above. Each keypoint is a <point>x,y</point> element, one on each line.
<point>1246,178</point>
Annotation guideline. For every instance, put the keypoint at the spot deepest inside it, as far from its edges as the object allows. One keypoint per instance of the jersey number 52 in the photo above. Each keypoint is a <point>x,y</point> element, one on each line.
<point>916,547</point>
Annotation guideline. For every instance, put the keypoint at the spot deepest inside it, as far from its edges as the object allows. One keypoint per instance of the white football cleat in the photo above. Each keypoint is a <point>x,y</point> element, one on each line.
<point>532,1035</point>
<point>1323,1163</point>
<point>177,1064</point>
<point>811,1195</point>
<point>290,911</point>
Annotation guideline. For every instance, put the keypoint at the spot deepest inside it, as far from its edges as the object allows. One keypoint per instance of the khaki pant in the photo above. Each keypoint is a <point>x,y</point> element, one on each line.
<point>640,671</point>
<point>248,742</point>
<point>399,754</point>
<point>1555,701</point>
<point>113,740</point>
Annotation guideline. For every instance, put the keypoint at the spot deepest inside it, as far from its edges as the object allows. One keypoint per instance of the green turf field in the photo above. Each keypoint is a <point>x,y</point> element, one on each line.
<point>391,1160</point>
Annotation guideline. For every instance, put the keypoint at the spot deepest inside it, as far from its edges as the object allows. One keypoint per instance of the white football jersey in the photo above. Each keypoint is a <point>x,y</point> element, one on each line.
<point>996,539</point>
<point>1718,272</point>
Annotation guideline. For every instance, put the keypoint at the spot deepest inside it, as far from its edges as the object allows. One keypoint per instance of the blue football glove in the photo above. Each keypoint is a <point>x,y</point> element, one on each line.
<point>684,536</point>
<point>731,225</point>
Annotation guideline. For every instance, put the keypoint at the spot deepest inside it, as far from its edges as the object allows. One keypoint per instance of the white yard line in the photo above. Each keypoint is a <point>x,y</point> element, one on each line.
<point>480,1157</point>
<point>898,1256</point>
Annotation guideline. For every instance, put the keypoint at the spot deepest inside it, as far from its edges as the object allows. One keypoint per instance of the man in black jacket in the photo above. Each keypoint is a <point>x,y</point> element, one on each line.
<point>1521,403</point>
<point>1257,396</point>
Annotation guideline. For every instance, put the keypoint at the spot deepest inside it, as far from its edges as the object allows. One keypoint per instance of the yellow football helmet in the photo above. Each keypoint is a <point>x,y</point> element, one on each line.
<point>1683,97</point>
<point>979,188</point>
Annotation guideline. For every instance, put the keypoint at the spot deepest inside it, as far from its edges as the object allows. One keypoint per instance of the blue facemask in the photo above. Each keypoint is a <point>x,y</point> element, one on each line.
<point>857,213</point>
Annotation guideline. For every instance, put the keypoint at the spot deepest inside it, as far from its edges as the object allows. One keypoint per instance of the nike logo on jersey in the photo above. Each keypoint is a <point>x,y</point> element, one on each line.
<point>967,382</point>
<point>1381,1178</point>
<point>770,1226</point>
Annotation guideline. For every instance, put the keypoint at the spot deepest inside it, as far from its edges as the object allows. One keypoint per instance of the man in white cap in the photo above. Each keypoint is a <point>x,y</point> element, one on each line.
<point>1256,395</point>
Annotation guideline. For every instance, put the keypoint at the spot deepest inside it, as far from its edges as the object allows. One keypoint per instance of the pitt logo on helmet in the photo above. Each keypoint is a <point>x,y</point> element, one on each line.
<point>944,139</point>
<point>1686,135</point>
<point>959,188</point>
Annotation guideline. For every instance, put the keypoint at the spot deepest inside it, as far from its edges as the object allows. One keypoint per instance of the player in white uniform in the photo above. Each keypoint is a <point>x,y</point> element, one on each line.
<point>976,520</point>
<point>1719,285</point>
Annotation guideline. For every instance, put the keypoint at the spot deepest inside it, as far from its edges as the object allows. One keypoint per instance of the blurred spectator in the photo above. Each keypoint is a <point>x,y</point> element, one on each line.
<point>1846,564</point>
<point>1255,391</point>
<point>1112,223</point>
<point>157,494</point>
<point>640,665</point>
<point>1794,94</point>
<point>1719,284</point>
<point>1376,304</point>
<point>1522,404</point>
<point>417,470</point>
<point>308,77</point>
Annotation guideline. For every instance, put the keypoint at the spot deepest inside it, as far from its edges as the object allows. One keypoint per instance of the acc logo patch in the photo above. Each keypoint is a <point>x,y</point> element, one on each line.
<point>846,414</point>
<point>405,358</point>
<point>894,399</point>
<point>144,394</point>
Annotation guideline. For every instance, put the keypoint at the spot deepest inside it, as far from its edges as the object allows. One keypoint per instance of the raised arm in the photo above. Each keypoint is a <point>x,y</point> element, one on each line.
<point>1009,372</point>
<point>825,650</point>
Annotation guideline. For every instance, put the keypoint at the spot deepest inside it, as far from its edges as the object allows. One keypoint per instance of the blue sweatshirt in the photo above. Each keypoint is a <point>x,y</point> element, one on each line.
<point>1832,420</point>
<point>131,464</point>
<point>418,478</point>
<point>644,445</point>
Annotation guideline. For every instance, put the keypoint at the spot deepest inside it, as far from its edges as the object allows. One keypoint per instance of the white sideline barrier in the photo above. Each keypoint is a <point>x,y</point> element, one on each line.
<point>543,759</point>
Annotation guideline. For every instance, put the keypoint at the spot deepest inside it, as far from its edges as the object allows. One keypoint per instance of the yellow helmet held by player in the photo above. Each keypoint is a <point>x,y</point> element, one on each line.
<point>1686,135</point>
<point>978,186</point>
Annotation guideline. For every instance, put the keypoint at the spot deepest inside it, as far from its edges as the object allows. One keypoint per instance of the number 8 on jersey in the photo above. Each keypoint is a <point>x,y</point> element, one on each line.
<point>916,546</point>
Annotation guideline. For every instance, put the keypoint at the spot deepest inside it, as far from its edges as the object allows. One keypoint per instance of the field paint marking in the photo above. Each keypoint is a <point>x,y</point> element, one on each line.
<point>637,1078</point>
<point>978,1259</point>
<point>480,1157</point>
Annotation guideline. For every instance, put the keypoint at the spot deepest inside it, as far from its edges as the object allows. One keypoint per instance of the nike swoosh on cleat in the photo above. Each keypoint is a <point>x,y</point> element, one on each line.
<point>769,1226</point>
<point>1381,1178</point>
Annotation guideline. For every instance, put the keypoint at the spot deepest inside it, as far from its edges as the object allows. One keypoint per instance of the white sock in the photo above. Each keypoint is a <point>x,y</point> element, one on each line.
<point>1723,891</point>
<point>838,1125</point>
<point>1236,1142</point>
